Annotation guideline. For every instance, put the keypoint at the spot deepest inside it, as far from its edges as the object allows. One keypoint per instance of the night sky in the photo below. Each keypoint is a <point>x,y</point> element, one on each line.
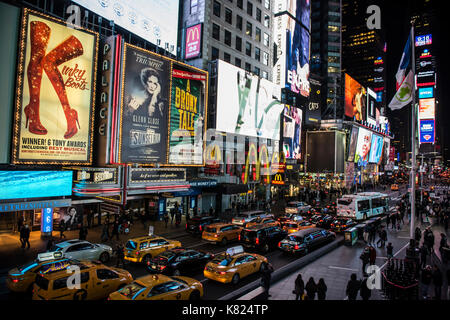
<point>396,19</point>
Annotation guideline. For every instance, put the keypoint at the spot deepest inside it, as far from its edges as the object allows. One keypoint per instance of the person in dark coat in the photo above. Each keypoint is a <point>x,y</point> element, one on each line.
<point>83,233</point>
<point>299,287</point>
<point>105,232</point>
<point>50,244</point>
<point>365,257</point>
<point>62,228</point>
<point>390,250</point>
<point>423,256</point>
<point>365,292</point>
<point>426,278</point>
<point>321,289</point>
<point>311,289</point>
<point>372,255</point>
<point>166,218</point>
<point>266,278</point>
<point>115,229</point>
<point>437,282</point>
<point>25,236</point>
<point>19,223</point>
<point>353,287</point>
<point>120,255</point>
<point>417,235</point>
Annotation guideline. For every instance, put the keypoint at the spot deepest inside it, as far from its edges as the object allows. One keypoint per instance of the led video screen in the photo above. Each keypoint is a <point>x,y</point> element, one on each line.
<point>376,149</point>
<point>363,146</point>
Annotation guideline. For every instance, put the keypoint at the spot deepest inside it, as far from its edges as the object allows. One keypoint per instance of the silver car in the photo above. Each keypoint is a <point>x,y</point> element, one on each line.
<point>84,250</point>
<point>245,217</point>
<point>296,207</point>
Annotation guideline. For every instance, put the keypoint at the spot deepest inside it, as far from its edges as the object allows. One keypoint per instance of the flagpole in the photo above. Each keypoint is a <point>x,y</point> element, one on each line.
<point>413,137</point>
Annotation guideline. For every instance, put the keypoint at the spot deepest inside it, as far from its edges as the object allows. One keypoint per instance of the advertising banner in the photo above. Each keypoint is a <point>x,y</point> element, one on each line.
<point>371,106</point>
<point>145,102</point>
<point>352,145</point>
<point>187,114</point>
<point>293,41</point>
<point>149,19</point>
<point>424,40</point>
<point>376,149</point>
<point>246,103</point>
<point>427,131</point>
<point>355,99</point>
<point>193,48</point>
<point>425,93</point>
<point>363,146</point>
<point>313,111</point>
<point>427,108</point>
<point>292,130</point>
<point>156,175</point>
<point>55,92</point>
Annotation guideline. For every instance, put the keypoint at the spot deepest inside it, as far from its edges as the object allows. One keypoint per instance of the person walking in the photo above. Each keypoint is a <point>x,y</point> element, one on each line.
<point>394,221</point>
<point>19,223</point>
<point>388,220</point>
<point>372,255</point>
<point>426,279</point>
<point>365,257</point>
<point>166,218</point>
<point>390,251</point>
<point>62,228</point>
<point>321,289</point>
<point>25,236</point>
<point>372,234</point>
<point>437,282</point>
<point>83,233</point>
<point>299,287</point>
<point>311,289</point>
<point>177,218</point>
<point>120,252</point>
<point>417,235</point>
<point>383,238</point>
<point>366,234</point>
<point>50,244</point>
<point>115,230</point>
<point>105,232</point>
<point>353,287</point>
<point>266,278</point>
<point>364,291</point>
<point>428,239</point>
<point>423,256</point>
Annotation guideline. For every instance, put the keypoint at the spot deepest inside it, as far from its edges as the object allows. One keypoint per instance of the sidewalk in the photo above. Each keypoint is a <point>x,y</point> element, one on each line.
<point>11,253</point>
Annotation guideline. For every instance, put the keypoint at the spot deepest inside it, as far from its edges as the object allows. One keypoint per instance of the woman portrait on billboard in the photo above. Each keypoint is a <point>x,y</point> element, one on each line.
<point>359,104</point>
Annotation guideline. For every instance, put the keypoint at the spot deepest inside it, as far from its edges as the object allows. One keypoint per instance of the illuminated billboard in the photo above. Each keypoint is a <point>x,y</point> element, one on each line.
<point>376,149</point>
<point>292,128</point>
<point>149,19</point>
<point>355,99</point>
<point>293,39</point>
<point>352,145</point>
<point>425,93</point>
<point>363,146</point>
<point>193,45</point>
<point>246,103</point>
<point>426,108</point>
<point>427,131</point>
<point>35,184</point>
<point>424,40</point>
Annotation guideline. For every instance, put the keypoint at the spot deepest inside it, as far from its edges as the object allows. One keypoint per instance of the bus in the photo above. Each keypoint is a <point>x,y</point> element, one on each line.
<point>362,206</point>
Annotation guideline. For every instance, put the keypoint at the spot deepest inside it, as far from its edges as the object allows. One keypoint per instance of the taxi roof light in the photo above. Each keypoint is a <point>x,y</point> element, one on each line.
<point>49,256</point>
<point>235,250</point>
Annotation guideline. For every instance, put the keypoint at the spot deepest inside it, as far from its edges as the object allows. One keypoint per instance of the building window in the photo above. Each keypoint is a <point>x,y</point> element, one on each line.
<point>237,62</point>
<point>239,22</point>
<point>258,14</point>
<point>257,34</point>
<point>214,54</point>
<point>216,9</point>
<point>216,32</point>
<point>266,21</point>
<point>267,4</point>
<point>265,75</point>
<point>194,6</point>
<point>266,39</point>
<point>249,8</point>
<point>248,67</point>
<point>248,49</point>
<point>249,29</point>
<point>238,43</point>
<point>266,58</point>
<point>257,54</point>
<point>257,71</point>
<point>227,38</point>
<point>228,16</point>
<point>226,57</point>
<point>240,4</point>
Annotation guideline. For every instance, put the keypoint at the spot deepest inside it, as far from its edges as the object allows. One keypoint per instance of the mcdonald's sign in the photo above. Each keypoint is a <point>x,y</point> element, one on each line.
<point>278,179</point>
<point>213,155</point>
<point>193,47</point>
<point>257,162</point>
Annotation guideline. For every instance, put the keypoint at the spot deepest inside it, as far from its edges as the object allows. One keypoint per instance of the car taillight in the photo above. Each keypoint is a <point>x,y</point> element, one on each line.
<point>200,227</point>
<point>15,280</point>
<point>138,253</point>
<point>279,244</point>
<point>186,226</point>
<point>162,267</point>
<point>257,240</point>
<point>296,247</point>
<point>243,220</point>
<point>239,237</point>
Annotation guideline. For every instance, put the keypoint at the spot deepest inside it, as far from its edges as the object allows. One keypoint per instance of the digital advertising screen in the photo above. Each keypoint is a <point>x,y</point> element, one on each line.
<point>35,184</point>
<point>313,113</point>
<point>246,103</point>
<point>427,131</point>
<point>424,40</point>
<point>145,107</point>
<point>352,145</point>
<point>355,99</point>
<point>427,108</point>
<point>292,34</point>
<point>149,19</point>
<point>363,146</point>
<point>55,101</point>
<point>376,149</point>
<point>292,128</point>
<point>425,93</point>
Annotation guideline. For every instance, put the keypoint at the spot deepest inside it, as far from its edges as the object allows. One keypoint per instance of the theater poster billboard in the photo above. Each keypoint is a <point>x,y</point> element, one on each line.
<point>55,92</point>
<point>145,104</point>
<point>187,117</point>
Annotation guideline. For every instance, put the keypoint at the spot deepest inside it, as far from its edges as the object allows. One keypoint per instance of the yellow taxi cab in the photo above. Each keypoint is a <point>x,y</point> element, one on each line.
<point>143,249</point>
<point>234,265</point>
<point>294,226</point>
<point>85,281</point>
<point>268,221</point>
<point>221,233</point>
<point>160,287</point>
<point>394,187</point>
<point>21,279</point>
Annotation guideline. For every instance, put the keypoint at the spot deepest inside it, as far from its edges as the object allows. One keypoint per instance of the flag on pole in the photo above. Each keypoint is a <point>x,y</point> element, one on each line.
<point>405,64</point>
<point>404,94</point>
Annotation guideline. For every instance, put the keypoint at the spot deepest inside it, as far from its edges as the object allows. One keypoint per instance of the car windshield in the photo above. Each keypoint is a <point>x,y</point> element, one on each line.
<point>222,260</point>
<point>211,230</point>
<point>294,238</point>
<point>131,244</point>
<point>131,289</point>
<point>55,248</point>
<point>344,202</point>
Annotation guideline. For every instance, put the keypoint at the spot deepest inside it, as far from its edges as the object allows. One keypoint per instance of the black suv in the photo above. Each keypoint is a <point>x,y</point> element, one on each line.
<point>261,237</point>
<point>196,225</point>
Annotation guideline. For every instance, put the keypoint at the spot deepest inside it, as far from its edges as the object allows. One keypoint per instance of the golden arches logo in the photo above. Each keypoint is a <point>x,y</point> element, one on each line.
<point>213,154</point>
<point>262,162</point>
<point>193,34</point>
<point>278,179</point>
<point>253,154</point>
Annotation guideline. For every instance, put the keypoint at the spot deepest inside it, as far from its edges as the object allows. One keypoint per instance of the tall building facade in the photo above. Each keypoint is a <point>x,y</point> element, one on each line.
<point>326,53</point>
<point>236,31</point>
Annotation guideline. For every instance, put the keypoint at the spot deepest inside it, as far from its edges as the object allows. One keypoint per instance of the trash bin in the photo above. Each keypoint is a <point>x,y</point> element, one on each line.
<point>350,236</point>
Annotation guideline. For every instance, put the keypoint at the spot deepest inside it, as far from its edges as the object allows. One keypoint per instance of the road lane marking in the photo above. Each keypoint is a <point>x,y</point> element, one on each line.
<point>340,268</point>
